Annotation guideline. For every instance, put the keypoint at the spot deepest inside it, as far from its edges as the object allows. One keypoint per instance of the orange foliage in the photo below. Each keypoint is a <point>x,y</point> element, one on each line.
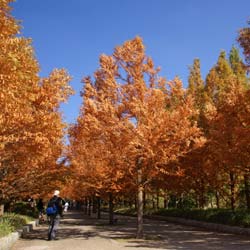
<point>125,117</point>
<point>31,127</point>
<point>244,41</point>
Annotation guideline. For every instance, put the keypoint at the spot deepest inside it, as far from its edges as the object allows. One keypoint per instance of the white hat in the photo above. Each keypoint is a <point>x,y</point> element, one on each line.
<point>57,192</point>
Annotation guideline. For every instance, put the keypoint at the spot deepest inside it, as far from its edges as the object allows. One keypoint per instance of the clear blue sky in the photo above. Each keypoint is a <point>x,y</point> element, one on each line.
<point>72,34</point>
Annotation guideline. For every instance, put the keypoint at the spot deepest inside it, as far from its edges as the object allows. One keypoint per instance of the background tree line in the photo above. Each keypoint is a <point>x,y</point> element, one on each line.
<point>138,133</point>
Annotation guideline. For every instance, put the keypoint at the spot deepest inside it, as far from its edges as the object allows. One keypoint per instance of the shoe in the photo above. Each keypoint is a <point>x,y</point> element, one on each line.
<point>49,237</point>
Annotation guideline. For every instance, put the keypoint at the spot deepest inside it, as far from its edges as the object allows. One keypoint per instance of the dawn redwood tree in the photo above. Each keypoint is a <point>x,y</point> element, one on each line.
<point>227,86</point>
<point>193,164</point>
<point>161,116</point>
<point>218,79</point>
<point>195,81</point>
<point>233,116</point>
<point>131,125</point>
<point>218,82</point>
<point>31,126</point>
<point>238,67</point>
<point>101,134</point>
<point>244,41</point>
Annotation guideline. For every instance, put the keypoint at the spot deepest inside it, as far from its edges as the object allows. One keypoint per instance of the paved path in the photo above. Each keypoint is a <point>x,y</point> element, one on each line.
<point>78,231</point>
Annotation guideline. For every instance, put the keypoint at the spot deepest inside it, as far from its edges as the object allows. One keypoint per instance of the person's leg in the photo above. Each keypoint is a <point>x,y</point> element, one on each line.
<point>51,226</point>
<point>55,227</point>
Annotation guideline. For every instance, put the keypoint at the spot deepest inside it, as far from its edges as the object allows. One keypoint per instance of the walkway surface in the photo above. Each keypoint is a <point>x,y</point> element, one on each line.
<point>78,231</point>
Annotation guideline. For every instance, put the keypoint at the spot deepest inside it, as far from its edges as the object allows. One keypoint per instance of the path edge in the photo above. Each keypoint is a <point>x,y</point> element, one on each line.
<point>8,241</point>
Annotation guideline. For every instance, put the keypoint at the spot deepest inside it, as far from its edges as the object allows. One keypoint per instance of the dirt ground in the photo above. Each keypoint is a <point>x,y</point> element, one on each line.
<point>79,231</point>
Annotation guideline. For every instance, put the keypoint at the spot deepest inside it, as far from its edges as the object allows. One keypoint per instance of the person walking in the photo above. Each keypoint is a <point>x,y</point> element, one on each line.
<point>40,208</point>
<point>66,206</point>
<point>54,212</point>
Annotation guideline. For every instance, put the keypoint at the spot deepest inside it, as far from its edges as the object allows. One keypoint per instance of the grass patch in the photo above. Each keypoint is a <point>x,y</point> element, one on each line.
<point>130,211</point>
<point>10,222</point>
<point>5,228</point>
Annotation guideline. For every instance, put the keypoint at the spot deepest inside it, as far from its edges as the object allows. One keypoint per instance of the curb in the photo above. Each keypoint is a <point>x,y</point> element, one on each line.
<point>8,241</point>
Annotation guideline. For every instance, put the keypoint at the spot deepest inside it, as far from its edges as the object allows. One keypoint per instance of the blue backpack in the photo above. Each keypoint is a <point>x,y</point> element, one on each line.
<point>52,207</point>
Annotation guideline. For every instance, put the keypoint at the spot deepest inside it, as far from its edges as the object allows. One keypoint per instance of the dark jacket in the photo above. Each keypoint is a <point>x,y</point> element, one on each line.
<point>39,205</point>
<point>58,201</point>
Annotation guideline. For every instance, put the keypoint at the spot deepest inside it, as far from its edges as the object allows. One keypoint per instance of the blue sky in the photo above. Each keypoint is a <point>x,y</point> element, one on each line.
<point>72,34</point>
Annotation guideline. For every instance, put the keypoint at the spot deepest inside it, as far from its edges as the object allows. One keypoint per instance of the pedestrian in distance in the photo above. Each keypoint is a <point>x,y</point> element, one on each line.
<point>66,206</point>
<point>54,212</point>
<point>40,208</point>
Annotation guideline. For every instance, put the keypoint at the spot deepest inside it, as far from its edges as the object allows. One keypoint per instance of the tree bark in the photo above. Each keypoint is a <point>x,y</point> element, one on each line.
<point>202,194</point>
<point>165,200</point>
<point>247,190</point>
<point>1,209</point>
<point>111,209</point>
<point>94,199</point>
<point>98,207</point>
<point>144,199</point>
<point>86,206</point>
<point>157,199</point>
<point>232,187</point>
<point>217,196</point>
<point>139,203</point>
<point>89,206</point>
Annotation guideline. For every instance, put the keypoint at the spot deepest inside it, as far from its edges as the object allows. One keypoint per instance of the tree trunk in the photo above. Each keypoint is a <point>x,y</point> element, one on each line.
<point>94,199</point>
<point>130,203</point>
<point>144,199</point>
<point>157,199</point>
<point>232,187</point>
<point>217,196</point>
<point>247,190</point>
<point>202,195</point>
<point>1,209</point>
<point>111,209</point>
<point>153,201</point>
<point>135,202</point>
<point>139,203</point>
<point>201,200</point>
<point>165,200</point>
<point>89,206</point>
<point>86,206</point>
<point>98,207</point>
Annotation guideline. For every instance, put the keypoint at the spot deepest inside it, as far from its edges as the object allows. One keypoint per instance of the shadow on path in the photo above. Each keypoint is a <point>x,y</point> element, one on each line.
<point>79,231</point>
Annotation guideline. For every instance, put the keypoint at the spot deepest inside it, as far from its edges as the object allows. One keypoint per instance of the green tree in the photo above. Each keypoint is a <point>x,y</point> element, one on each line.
<point>218,78</point>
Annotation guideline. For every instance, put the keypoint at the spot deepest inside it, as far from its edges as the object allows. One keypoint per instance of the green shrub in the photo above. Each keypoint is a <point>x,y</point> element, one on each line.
<point>17,221</point>
<point>24,208</point>
<point>10,222</point>
<point>5,228</point>
<point>222,216</point>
